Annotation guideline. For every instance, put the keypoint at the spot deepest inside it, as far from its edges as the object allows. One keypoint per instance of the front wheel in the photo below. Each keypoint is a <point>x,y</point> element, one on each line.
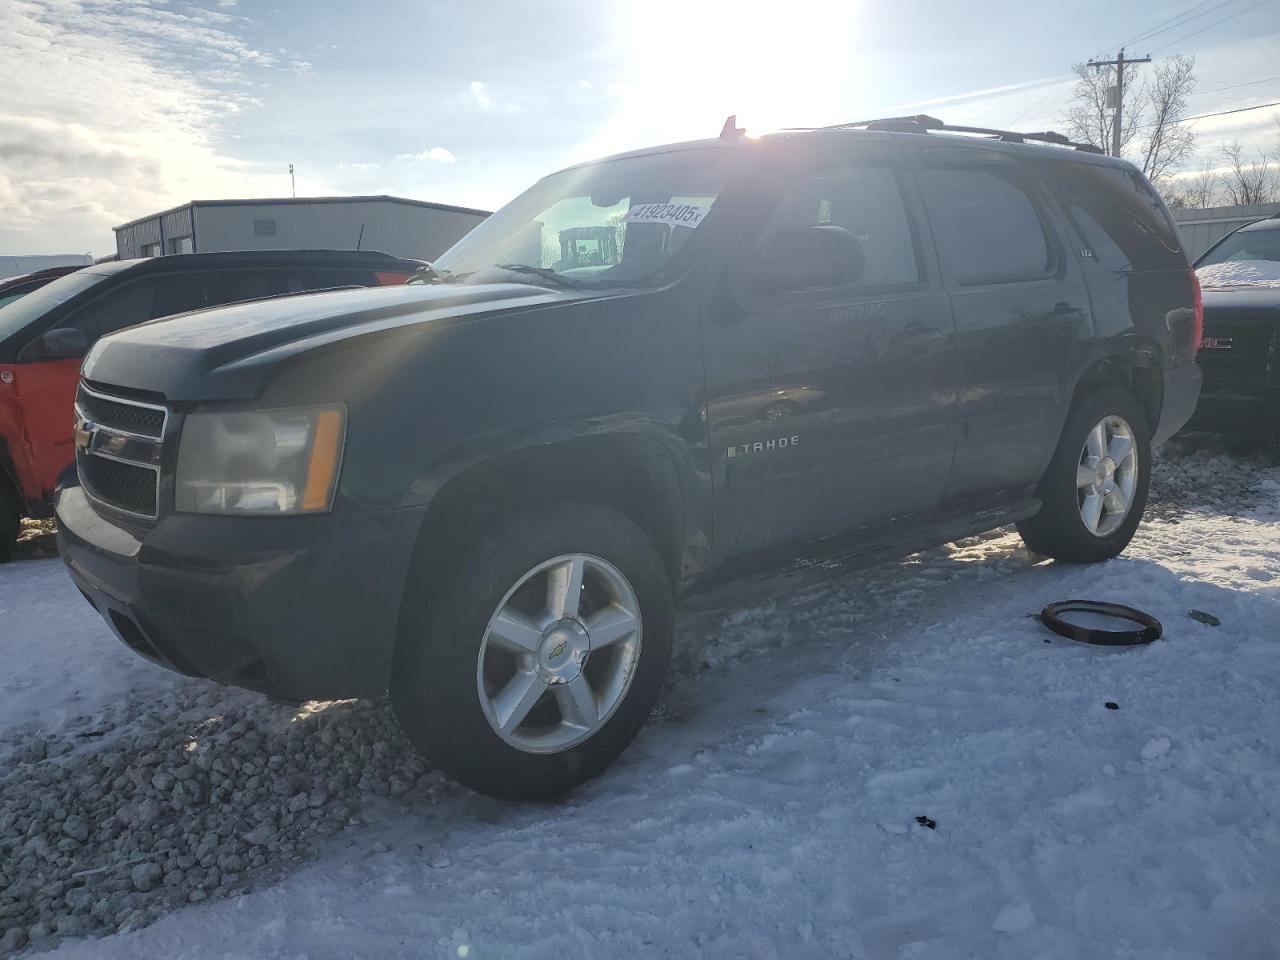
<point>1095,489</point>
<point>530,667</point>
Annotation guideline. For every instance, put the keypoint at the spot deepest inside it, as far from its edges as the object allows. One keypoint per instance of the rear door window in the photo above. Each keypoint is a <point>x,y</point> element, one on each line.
<point>987,226</point>
<point>318,278</point>
<point>1122,222</point>
<point>864,198</point>
<point>235,286</point>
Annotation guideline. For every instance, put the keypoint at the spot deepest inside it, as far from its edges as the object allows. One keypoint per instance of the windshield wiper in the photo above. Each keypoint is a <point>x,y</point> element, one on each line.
<point>545,272</point>
<point>427,273</point>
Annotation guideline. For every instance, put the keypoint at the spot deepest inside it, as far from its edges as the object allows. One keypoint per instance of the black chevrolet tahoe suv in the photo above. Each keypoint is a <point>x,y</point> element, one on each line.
<point>484,492</point>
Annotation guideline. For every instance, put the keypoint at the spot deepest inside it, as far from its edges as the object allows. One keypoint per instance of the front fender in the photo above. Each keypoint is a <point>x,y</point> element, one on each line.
<point>673,457</point>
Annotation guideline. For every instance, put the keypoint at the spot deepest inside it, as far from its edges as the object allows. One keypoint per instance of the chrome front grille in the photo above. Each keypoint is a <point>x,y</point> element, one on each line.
<point>118,451</point>
<point>146,421</point>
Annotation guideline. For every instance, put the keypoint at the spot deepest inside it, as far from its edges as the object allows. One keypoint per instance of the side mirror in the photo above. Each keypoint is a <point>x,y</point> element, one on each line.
<point>64,343</point>
<point>805,258</point>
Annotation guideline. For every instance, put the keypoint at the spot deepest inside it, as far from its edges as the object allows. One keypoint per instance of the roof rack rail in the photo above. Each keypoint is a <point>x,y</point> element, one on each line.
<point>922,123</point>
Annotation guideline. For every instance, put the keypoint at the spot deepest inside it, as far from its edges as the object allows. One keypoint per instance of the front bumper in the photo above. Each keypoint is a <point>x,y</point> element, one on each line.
<point>1238,411</point>
<point>299,608</point>
<point>1178,401</point>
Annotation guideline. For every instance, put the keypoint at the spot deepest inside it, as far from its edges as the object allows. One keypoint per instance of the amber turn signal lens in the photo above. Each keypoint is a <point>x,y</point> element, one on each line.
<point>322,470</point>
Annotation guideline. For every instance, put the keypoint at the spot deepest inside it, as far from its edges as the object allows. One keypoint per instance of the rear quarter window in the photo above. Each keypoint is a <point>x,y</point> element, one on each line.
<point>1120,220</point>
<point>986,224</point>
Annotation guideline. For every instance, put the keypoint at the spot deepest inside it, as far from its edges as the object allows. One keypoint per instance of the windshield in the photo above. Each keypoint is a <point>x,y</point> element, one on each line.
<point>1245,245</point>
<point>16,315</point>
<point>1245,258</point>
<point>620,223</point>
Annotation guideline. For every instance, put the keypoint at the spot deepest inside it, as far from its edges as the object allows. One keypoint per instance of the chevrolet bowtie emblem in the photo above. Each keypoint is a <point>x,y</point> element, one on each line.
<point>85,429</point>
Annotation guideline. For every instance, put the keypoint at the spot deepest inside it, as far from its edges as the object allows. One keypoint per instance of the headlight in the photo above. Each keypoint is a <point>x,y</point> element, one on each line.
<point>260,461</point>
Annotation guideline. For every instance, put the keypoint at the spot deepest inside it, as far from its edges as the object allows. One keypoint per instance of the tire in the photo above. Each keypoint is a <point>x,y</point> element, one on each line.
<point>458,661</point>
<point>1061,529</point>
<point>10,520</point>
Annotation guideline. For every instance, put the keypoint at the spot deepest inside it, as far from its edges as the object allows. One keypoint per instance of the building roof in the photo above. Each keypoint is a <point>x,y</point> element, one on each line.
<point>305,201</point>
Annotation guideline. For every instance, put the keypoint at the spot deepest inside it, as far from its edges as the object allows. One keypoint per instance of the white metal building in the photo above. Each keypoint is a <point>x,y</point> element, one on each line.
<point>394,225</point>
<point>17,266</point>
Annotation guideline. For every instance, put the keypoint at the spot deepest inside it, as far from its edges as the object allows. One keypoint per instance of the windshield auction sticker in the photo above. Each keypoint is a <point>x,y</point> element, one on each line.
<point>676,214</point>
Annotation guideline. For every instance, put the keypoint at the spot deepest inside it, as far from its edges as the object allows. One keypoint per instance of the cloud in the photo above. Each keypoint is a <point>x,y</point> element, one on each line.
<point>361,167</point>
<point>479,91</point>
<point>112,111</point>
<point>434,155</point>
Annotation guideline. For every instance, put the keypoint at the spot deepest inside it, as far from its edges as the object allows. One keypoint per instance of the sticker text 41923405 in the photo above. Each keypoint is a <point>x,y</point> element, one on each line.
<point>675,214</point>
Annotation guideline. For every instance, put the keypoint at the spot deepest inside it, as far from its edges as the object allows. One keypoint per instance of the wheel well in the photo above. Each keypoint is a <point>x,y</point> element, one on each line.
<point>1137,372</point>
<point>634,476</point>
<point>8,487</point>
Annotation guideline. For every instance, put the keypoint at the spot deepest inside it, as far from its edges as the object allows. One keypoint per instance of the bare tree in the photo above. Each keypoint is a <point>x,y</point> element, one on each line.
<point>1167,142</point>
<point>1194,191</point>
<point>1152,134</point>
<point>1248,181</point>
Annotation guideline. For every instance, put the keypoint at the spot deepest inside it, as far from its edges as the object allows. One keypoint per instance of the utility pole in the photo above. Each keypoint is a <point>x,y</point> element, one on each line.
<point>293,186</point>
<point>1118,93</point>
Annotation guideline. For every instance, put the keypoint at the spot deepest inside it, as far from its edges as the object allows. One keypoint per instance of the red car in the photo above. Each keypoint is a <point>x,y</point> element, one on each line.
<point>44,335</point>
<point>15,288</point>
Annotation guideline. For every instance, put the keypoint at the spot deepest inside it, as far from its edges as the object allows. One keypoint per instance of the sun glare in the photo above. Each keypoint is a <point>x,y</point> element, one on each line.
<point>771,66</point>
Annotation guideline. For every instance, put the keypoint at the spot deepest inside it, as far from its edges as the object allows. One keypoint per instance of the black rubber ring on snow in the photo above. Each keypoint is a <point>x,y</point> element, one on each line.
<point>1151,629</point>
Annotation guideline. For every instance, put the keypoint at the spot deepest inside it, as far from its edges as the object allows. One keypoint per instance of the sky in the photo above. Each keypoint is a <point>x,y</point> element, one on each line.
<point>114,109</point>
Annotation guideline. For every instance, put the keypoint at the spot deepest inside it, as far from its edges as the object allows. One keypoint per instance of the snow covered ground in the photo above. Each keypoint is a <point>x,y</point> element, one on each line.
<point>769,811</point>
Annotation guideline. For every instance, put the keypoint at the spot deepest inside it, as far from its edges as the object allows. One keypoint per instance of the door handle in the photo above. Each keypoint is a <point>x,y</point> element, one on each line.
<point>918,338</point>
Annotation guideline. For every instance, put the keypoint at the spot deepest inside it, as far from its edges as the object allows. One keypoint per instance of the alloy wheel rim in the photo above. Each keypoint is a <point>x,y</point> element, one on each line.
<point>1107,476</point>
<point>559,653</point>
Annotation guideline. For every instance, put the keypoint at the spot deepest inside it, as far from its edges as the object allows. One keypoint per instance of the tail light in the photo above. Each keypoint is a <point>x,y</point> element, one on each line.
<point>1197,332</point>
<point>390,278</point>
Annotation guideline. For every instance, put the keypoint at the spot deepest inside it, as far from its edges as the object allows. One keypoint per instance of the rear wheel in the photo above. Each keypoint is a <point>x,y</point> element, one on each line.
<point>533,663</point>
<point>10,520</point>
<point>1095,489</point>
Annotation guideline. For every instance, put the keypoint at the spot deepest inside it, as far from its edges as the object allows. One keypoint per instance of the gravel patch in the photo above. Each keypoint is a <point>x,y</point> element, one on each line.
<point>120,818</point>
<point>36,541</point>
<point>200,797</point>
<point>1206,473</point>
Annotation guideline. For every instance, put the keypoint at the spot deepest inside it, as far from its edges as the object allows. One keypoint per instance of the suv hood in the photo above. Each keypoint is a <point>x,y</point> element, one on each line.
<point>1255,304</point>
<point>226,352</point>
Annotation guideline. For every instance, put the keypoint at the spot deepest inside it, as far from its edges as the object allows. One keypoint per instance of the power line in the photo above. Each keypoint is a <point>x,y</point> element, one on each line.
<point>1196,33</point>
<point>1235,86</point>
<point>1031,109</point>
<point>1223,113</point>
<point>1219,113</point>
<point>1176,21</point>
